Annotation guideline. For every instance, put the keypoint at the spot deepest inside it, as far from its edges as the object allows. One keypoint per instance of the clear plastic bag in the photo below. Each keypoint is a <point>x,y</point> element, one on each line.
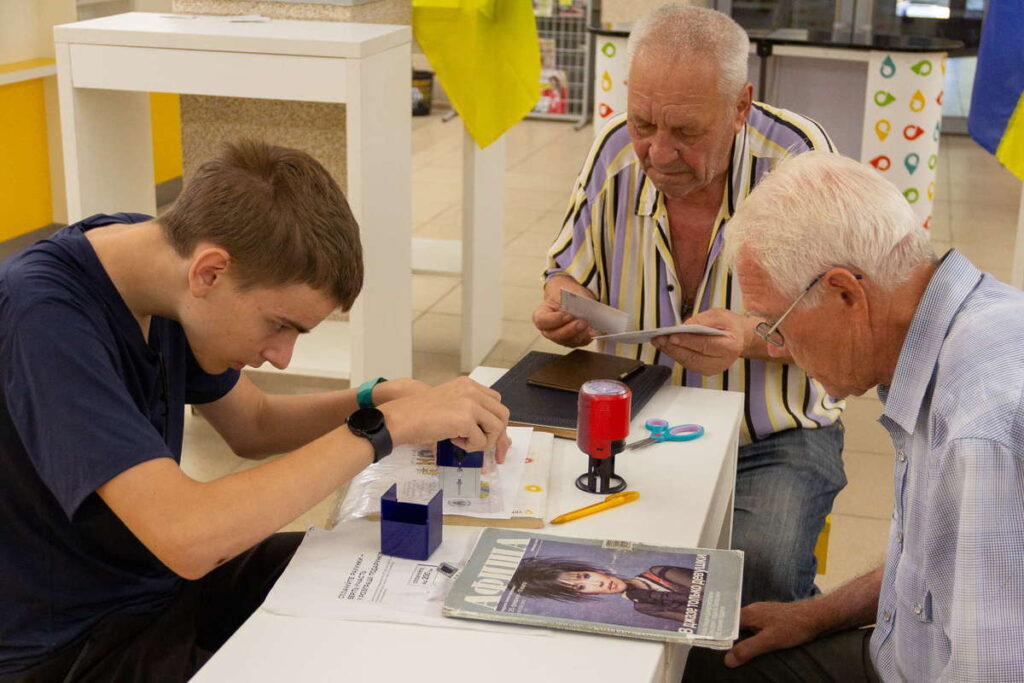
<point>415,470</point>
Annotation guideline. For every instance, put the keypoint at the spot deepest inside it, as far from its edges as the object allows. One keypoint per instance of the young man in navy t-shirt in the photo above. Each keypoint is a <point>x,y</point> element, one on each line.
<point>114,564</point>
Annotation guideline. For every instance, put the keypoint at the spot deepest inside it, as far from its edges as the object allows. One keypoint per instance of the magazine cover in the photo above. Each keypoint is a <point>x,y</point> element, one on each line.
<point>679,595</point>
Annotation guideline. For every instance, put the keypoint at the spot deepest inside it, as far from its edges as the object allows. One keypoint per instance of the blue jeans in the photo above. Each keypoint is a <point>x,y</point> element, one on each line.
<point>785,485</point>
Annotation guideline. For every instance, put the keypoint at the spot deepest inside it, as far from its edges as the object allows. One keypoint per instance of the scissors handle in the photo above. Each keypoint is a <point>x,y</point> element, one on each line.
<point>656,425</point>
<point>681,433</point>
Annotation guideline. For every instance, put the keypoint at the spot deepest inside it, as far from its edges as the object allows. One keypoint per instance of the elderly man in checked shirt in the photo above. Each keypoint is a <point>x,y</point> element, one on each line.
<point>872,305</point>
<point>643,232</point>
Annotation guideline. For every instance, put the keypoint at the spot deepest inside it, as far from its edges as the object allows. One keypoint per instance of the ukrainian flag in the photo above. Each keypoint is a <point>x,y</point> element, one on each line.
<point>486,55</point>
<point>996,119</point>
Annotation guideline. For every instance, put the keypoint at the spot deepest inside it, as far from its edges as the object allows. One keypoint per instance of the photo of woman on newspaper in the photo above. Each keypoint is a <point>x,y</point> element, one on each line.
<point>661,591</point>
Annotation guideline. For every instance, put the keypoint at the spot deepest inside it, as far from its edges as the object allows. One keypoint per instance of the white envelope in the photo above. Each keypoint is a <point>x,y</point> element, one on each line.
<point>599,316</point>
<point>644,336</point>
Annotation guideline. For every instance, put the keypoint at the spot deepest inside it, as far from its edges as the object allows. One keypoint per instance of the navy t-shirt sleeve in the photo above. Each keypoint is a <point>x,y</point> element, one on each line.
<point>76,419</point>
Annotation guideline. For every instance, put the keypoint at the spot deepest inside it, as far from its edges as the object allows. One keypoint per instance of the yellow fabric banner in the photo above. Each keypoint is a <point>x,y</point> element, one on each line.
<point>1011,147</point>
<point>486,56</point>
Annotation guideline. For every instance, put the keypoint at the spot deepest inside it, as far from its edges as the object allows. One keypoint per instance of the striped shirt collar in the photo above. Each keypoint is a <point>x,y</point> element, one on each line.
<point>952,282</point>
<point>651,200</point>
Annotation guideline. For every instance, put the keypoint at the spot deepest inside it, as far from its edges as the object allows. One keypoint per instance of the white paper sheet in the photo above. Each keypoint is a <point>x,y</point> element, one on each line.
<point>341,574</point>
<point>599,316</point>
<point>644,336</point>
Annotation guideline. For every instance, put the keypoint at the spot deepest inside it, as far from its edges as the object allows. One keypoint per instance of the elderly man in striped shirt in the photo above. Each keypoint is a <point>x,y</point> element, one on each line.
<point>643,233</point>
<point>872,305</point>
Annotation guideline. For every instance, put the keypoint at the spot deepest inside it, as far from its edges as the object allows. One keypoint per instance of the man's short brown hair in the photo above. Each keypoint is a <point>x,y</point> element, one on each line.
<point>280,216</point>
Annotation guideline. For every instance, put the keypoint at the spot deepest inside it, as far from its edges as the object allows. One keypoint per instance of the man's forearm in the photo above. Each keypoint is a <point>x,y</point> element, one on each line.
<point>193,527</point>
<point>287,422</point>
<point>852,605</point>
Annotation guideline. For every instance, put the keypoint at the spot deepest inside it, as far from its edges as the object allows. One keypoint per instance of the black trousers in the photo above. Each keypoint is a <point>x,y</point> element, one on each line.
<point>169,646</point>
<point>838,658</point>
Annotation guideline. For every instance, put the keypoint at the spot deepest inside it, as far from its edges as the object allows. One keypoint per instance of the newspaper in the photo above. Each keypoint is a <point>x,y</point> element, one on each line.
<point>678,595</point>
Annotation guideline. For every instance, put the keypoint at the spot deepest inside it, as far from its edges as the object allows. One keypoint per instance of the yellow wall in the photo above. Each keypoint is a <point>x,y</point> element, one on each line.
<point>166,114</point>
<point>25,199</point>
<point>24,164</point>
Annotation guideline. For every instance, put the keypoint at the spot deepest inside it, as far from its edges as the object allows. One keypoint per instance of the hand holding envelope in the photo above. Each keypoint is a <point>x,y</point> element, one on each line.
<point>559,325</point>
<point>615,323</point>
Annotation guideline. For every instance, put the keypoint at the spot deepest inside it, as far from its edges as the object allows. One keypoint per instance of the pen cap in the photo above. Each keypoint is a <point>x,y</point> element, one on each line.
<point>603,421</point>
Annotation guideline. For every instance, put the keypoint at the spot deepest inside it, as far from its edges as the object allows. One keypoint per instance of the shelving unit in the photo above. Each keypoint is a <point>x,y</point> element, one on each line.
<point>566,58</point>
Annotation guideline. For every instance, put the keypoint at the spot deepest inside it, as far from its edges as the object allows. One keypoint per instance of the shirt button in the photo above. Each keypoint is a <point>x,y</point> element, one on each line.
<point>917,608</point>
<point>899,539</point>
<point>886,615</point>
<point>901,456</point>
<point>671,288</point>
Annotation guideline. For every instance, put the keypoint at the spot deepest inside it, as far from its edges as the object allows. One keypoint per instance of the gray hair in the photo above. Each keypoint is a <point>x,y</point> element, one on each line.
<point>819,210</point>
<point>676,31</point>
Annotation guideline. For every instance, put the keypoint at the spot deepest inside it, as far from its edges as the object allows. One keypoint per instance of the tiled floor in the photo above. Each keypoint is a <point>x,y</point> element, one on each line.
<point>976,212</point>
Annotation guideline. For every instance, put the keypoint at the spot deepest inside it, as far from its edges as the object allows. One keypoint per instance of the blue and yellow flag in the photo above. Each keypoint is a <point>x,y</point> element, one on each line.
<point>486,55</point>
<point>996,119</point>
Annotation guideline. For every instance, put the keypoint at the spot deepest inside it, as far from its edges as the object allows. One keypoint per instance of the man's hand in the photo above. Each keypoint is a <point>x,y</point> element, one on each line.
<point>776,626</point>
<point>468,413</point>
<point>557,325</point>
<point>397,388</point>
<point>706,354</point>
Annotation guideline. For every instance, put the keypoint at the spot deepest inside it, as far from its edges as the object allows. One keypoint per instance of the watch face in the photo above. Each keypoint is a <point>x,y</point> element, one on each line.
<point>366,420</point>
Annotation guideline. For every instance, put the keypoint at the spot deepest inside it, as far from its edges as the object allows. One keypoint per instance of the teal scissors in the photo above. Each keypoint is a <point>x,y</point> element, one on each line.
<point>661,431</point>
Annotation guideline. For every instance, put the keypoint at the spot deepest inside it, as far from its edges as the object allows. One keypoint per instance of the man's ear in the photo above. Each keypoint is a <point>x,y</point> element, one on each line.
<point>847,286</point>
<point>742,109</point>
<point>207,269</point>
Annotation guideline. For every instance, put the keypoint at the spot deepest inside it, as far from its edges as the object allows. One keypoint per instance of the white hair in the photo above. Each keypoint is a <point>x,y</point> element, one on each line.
<point>676,31</point>
<point>819,210</point>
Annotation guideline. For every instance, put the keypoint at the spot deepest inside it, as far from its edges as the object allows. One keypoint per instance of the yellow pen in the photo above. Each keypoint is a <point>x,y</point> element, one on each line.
<point>614,500</point>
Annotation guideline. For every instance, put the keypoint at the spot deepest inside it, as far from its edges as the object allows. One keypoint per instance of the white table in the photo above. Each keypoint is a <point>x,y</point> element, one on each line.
<point>106,67</point>
<point>686,500</point>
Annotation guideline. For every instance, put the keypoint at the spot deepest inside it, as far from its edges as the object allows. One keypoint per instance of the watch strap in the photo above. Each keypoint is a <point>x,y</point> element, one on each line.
<point>379,437</point>
<point>364,396</point>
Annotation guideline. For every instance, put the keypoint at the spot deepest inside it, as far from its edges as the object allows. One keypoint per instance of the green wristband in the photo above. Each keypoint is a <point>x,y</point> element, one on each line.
<point>364,397</point>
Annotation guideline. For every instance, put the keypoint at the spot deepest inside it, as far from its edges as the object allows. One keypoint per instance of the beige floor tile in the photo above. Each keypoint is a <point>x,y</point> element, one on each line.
<point>530,243</point>
<point>434,368</point>
<point>541,200</point>
<point>440,334</point>
<point>863,433</point>
<point>526,271</point>
<point>425,190</point>
<point>520,219</point>
<point>447,225</point>
<point>544,344</point>
<point>869,491</point>
<point>983,181</point>
<point>983,222</point>
<point>942,221</point>
<point>497,360</point>
<point>518,302</point>
<point>856,546</point>
<point>204,454</point>
<point>437,333</point>
<point>428,290</point>
<point>425,209</point>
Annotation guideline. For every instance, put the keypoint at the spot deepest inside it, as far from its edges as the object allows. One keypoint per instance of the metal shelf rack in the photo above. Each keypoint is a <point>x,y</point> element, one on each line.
<point>566,59</point>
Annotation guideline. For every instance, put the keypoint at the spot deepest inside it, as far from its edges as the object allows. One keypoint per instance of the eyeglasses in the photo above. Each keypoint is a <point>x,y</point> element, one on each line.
<point>770,331</point>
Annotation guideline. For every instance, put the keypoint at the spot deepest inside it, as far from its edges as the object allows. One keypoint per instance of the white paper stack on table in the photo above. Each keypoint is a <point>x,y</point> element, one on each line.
<point>615,323</point>
<point>341,574</point>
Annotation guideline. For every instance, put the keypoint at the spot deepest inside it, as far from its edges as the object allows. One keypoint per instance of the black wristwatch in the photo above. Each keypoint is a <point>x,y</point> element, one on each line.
<point>369,424</point>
